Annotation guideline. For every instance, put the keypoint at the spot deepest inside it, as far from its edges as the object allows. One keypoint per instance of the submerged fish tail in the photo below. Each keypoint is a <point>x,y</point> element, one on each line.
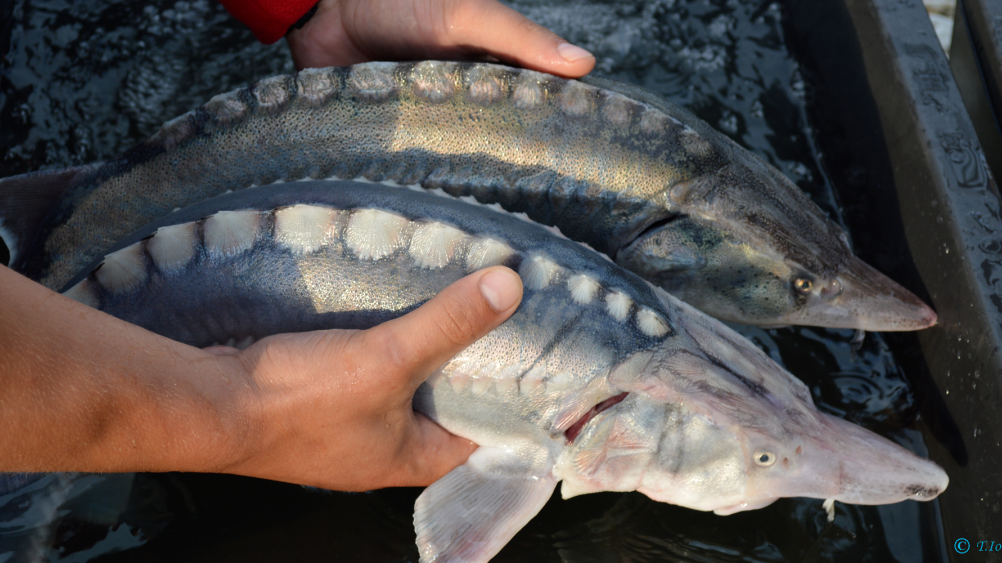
<point>25,201</point>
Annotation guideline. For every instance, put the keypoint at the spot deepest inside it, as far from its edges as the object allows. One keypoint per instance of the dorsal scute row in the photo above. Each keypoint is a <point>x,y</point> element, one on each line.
<point>432,82</point>
<point>368,234</point>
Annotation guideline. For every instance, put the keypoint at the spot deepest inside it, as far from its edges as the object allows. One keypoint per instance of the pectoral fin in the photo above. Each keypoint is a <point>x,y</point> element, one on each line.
<point>471,513</point>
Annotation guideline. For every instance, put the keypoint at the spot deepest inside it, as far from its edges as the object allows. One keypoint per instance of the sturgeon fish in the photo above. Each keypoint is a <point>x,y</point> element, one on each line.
<point>614,166</point>
<point>599,380</point>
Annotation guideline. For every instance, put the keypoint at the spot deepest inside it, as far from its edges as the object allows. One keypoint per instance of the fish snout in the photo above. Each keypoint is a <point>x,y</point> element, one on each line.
<point>877,303</point>
<point>871,469</point>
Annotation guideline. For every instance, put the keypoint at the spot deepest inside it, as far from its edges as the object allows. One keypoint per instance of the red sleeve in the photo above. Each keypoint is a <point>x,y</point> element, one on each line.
<point>268,19</point>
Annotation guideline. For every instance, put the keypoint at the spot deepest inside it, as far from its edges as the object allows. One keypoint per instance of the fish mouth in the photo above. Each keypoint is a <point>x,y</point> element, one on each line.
<point>743,506</point>
<point>868,300</point>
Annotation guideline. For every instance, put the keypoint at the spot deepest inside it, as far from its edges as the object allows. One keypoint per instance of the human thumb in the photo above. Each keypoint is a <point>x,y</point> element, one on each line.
<point>421,341</point>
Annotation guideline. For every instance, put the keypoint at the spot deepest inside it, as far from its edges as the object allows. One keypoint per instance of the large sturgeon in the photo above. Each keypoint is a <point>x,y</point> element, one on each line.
<point>614,166</point>
<point>599,379</point>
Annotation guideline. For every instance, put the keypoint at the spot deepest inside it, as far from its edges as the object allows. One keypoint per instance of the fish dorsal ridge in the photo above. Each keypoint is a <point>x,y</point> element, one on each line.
<point>369,234</point>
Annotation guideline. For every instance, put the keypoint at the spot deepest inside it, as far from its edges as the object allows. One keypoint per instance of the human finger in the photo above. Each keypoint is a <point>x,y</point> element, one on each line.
<point>492,28</point>
<point>421,341</point>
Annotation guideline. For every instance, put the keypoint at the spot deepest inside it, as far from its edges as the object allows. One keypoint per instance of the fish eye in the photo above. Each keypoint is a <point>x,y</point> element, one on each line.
<point>765,459</point>
<point>803,285</point>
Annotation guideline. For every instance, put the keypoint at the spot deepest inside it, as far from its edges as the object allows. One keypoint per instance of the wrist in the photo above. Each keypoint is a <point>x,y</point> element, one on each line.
<point>257,411</point>
<point>229,435</point>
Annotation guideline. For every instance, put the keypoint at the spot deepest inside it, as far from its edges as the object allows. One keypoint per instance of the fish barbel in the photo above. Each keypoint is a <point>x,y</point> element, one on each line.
<point>599,380</point>
<point>613,166</point>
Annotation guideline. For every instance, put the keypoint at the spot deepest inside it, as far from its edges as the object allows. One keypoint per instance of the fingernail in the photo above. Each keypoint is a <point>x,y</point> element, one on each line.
<point>502,288</point>
<point>572,53</point>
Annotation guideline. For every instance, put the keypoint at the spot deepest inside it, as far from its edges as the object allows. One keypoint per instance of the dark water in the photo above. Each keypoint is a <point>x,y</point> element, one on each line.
<point>83,81</point>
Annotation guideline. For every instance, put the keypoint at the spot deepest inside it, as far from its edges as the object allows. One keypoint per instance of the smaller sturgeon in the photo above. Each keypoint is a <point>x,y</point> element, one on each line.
<point>614,166</point>
<point>599,379</point>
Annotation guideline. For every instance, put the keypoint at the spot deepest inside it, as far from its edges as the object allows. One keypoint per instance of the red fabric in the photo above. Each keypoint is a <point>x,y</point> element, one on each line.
<point>268,19</point>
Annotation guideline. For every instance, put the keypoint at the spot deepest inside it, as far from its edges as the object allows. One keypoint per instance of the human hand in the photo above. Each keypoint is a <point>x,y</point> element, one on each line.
<point>346,32</point>
<point>332,409</point>
<point>84,391</point>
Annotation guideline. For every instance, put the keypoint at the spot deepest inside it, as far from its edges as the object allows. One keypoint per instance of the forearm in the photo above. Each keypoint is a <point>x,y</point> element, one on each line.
<point>83,391</point>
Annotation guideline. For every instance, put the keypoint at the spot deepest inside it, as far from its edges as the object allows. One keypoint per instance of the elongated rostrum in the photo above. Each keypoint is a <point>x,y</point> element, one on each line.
<point>614,166</point>
<point>599,380</point>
